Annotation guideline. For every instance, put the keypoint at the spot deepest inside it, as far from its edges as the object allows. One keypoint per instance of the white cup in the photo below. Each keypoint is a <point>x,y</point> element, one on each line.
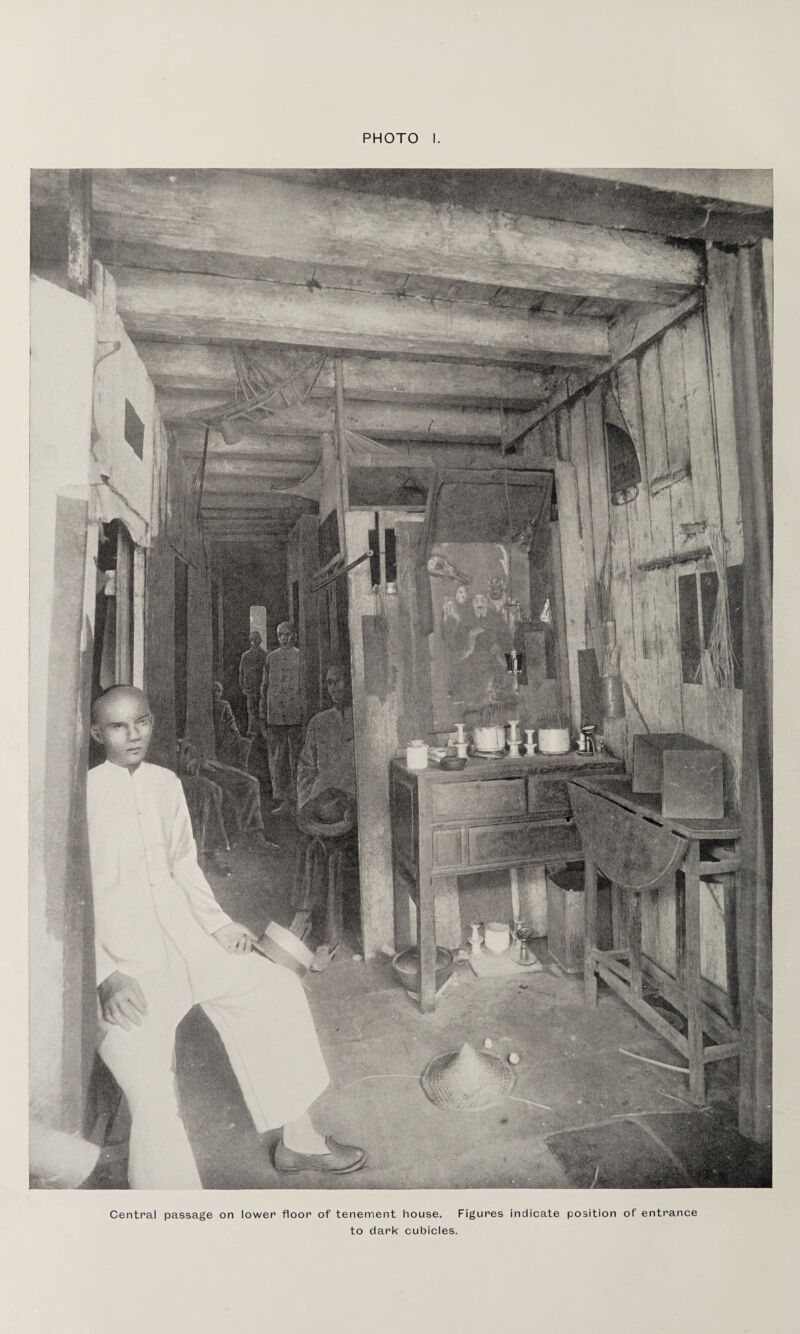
<point>496,937</point>
<point>417,755</point>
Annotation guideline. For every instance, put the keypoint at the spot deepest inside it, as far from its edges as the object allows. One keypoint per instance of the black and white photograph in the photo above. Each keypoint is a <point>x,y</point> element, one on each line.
<point>400,644</point>
<point>400,674</point>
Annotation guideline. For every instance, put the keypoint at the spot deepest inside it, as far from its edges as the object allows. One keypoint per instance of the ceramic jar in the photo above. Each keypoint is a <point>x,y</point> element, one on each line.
<point>417,755</point>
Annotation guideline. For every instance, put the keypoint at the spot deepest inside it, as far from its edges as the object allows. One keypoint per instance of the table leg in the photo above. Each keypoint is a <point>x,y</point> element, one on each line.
<point>680,928</point>
<point>694,1010</point>
<point>426,936</point>
<point>589,932</point>
<point>635,945</point>
<point>731,970</point>
<point>402,910</point>
<point>334,913</point>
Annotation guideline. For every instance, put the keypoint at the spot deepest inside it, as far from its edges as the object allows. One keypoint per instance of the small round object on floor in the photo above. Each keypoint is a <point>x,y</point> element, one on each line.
<point>488,1044</point>
<point>513,1058</point>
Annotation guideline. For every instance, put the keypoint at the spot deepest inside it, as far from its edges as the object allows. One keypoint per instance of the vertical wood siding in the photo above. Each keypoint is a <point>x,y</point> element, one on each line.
<point>676,397</point>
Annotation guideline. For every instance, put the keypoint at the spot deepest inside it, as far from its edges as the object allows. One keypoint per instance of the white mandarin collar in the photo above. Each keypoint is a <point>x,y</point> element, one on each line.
<point>119,774</point>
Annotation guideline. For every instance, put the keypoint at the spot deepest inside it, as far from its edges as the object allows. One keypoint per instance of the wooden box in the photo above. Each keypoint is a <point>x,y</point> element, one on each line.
<point>565,916</point>
<point>686,772</point>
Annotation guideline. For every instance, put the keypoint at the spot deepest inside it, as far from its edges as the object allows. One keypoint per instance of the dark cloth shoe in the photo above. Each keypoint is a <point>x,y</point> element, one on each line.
<point>323,955</point>
<point>341,1158</point>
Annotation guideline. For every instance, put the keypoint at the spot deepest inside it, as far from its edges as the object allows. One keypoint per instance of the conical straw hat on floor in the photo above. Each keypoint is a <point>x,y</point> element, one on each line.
<point>467,1080</point>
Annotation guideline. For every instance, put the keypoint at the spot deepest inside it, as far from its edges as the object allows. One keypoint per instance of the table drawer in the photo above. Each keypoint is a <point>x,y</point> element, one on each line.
<point>548,796</point>
<point>446,849</point>
<point>461,801</point>
<point>510,844</point>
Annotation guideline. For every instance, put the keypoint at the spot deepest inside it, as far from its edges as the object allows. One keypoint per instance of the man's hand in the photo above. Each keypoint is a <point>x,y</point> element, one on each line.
<point>235,938</point>
<point>122,1001</point>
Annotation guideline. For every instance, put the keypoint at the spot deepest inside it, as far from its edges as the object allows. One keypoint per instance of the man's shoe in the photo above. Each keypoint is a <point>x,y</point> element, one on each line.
<point>256,838</point>
<point>340,1159</point>
<point>219,863</point>
<point>323,955</point>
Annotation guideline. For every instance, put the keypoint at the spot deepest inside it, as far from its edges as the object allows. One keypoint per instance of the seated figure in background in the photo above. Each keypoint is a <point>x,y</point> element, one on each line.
<point>230,747</point>
<point>326,816</point>
<point>204,800</point>
<point>281,713</point>
<point>241,794</point>
<point>328,757</point>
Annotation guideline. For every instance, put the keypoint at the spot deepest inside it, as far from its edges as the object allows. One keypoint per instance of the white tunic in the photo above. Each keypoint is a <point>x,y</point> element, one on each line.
<point>155,916</point>
<point>145,878</point>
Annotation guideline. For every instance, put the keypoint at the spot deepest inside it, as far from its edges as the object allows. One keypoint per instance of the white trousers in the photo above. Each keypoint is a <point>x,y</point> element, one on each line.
<point>261,1013</point>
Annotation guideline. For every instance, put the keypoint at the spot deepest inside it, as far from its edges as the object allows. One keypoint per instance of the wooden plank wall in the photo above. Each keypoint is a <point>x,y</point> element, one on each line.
<point>676,397</point>
<point>175,530</point>
<point>302,557</point>
<point>380,717</point>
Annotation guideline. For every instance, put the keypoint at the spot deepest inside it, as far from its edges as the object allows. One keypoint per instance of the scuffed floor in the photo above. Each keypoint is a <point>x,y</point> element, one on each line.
<point>633,1124</point>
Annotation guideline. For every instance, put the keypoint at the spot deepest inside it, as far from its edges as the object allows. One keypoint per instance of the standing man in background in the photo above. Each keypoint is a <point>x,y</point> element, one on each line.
<point>282,716</point>
<point>251,673</point>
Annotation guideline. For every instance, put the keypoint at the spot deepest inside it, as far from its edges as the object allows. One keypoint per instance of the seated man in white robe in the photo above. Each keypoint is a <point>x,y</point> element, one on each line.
<point>163,945</point>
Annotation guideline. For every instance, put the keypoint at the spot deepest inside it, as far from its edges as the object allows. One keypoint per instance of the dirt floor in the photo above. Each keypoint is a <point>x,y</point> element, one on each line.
<point>584,1111</point>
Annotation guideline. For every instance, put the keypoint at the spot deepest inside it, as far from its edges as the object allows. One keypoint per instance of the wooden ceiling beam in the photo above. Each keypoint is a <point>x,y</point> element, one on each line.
<point>250,459</point>
<point>241,213</point>
<point>386,421</point>
<point>192,366</point>
<point>216,522</point>
<point>248,537</point>
<point>266,500</point>
<point>257,484</point>
<point>570,195</point>
<point>155,304</point>
<point>233,527</point>
<point>251,467</point>
<point>278,448</point>
<point>251,471</point>
<point>247,532</point>
<point>400,454</point>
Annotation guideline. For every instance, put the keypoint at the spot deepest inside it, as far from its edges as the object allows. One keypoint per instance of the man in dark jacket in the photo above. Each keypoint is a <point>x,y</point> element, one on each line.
<point>251,674</point>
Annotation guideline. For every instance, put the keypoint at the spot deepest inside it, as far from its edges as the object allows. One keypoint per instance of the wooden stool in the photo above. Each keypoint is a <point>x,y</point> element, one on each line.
<point>640,852</point>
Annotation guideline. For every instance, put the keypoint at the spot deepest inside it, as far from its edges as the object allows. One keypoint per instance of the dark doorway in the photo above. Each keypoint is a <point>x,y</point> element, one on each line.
<point>112,653</point>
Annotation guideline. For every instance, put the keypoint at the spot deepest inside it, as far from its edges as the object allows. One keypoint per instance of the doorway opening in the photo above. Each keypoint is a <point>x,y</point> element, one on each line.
<point>112,654</point>
<point>258,622</point>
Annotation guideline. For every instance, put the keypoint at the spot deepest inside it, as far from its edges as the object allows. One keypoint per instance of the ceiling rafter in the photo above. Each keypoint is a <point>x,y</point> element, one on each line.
<point>202,366</point>
<point>179,305</point>
<point>238,213</point>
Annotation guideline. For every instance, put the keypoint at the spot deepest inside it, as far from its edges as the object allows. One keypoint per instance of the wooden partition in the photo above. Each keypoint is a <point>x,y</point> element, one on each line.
<point>676,397</point>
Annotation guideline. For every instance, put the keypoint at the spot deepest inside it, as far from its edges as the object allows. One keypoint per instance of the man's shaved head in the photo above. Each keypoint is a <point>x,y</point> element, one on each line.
<point>123,724</point>
<point>115,692</point>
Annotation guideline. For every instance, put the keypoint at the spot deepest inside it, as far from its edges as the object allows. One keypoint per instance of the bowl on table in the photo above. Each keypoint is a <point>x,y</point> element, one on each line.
<point>452,762</point>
